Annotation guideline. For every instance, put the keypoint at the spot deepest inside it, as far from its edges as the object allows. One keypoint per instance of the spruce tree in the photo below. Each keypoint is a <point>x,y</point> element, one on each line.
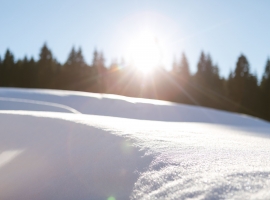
<point>208,88</point>
<point>7,69</point>
<point>184,68</point>
<point>99,71</point>
<point>181,75</point>
<point>47,68</point>
<point>80,62</point>
<point>243,88</point>
<point>71,61</point>
<point>265,88</point>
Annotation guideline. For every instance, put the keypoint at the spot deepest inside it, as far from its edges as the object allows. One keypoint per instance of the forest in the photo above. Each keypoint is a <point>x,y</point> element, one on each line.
<point>240,92</point>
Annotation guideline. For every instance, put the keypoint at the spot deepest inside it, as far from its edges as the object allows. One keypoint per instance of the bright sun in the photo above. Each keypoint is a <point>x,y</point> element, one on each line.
<point>145,52</point>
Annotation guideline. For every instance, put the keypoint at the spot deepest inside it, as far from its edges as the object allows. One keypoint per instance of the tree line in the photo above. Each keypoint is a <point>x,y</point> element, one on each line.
<point>241,92</point>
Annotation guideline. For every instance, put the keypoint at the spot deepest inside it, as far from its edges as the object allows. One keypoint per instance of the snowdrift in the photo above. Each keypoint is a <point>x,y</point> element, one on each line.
<point>117,106</point>
<point>73,145</point>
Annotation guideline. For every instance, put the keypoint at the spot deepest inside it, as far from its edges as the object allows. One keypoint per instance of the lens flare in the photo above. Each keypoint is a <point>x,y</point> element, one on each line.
<point>145,52</point>
<point>111,198</point>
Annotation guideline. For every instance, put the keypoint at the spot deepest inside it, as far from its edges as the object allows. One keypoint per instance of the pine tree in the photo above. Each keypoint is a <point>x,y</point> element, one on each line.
<point>26,73</point>
<point>208,87</point>
<point>80,59</point>
<point>47,68</point>
<point>243,88</point>
<point>7,69</point>
<point>1,72</point>
<point>95,59</point>
<point>21,73</point>
<point>265,88</point>
<point>71,61</point>
<point>184,68</point>
<point>175,66</point>
<point>75,59</point>
<point>181,75</point>
<point>99,71</point>
<point>74,72</point>
<point>201,67</point>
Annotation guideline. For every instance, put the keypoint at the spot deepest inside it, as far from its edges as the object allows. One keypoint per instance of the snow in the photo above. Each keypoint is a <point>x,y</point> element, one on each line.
<point>117,106</point>
<point>73,145</point>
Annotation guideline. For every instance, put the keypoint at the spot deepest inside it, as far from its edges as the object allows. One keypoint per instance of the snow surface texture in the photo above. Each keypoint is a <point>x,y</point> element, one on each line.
<point>63,154</point>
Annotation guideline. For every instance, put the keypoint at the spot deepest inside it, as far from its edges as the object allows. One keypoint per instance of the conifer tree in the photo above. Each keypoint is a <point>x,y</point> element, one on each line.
<point>99,71</point>
<point>71,61</point>
<point>201,67</point>
<point>208,85</point>
<point>184,68</point>
<point>7,69</point>
<point>181,73</point>
<point>80,62</point>
<point>265,88</point>
<point>47,68</point>
<point>243,88</point>
<point>175,66</point>
<point>21,73</point>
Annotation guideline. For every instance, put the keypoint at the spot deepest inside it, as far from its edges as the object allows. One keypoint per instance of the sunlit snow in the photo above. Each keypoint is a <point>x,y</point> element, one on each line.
<point>122,148</point>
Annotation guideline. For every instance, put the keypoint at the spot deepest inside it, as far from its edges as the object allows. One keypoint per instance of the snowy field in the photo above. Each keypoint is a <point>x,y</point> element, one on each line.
<point>75,145</point>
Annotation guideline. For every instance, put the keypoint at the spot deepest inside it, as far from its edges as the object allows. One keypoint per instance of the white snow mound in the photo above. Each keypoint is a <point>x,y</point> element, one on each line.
<point>117,106</point>
<point>127,148</point>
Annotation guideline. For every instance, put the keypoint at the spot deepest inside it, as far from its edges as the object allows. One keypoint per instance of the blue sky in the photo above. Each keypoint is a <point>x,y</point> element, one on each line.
<point>225,29</point>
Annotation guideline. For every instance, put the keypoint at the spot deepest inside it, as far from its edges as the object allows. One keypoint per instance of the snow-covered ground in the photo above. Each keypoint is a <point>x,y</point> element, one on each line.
<point>75,145</point>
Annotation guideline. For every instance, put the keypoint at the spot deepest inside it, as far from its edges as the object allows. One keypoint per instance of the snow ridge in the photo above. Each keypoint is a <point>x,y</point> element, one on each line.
<point>122,149</point>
